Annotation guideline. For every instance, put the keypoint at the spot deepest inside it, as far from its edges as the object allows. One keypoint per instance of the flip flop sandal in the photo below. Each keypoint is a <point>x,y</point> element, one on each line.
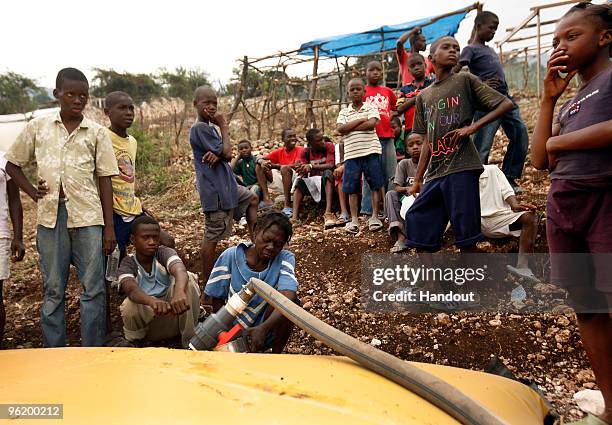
<point>352,228</point>
<point>374,224</point>
<point>398,247</point>
<point>288,211</point>
<point>524,273</point>
<point>342,219</point>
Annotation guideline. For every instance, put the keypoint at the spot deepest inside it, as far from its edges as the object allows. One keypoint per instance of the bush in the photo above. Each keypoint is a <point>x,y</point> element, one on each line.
<point>151,160</point>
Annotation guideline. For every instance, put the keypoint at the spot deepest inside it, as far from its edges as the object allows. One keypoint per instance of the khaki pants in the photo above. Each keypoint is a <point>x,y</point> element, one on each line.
<point>139,321</point>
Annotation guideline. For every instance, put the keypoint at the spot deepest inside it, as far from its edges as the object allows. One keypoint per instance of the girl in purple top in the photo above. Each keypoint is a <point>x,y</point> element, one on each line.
<point>577,149</point>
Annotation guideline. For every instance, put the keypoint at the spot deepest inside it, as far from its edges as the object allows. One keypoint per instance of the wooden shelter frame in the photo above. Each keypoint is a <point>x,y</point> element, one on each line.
<point>539,48</point>
<point>280,61</point>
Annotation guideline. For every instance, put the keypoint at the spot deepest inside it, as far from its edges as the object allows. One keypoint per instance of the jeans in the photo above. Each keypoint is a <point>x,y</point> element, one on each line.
<point>517,148</point>
<point>58,248</point>
<point>389,163</point>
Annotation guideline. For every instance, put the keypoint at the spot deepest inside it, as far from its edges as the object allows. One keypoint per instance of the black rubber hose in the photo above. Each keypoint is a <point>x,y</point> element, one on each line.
<point>434,390</point>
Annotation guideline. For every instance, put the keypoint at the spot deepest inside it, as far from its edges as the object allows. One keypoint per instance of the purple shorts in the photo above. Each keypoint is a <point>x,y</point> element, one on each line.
<point>579,220</point>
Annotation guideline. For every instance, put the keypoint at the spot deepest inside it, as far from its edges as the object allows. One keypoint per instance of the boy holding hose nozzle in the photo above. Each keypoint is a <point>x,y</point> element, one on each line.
<point>263,327</point>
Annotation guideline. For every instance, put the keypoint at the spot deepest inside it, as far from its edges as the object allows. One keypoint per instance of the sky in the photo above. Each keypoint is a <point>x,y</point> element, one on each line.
<point>41,37</point>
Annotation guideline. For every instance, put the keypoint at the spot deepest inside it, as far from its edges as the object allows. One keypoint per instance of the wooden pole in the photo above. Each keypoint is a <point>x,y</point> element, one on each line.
<point>517,28</point>
<point>310,117</point>
<point>525,72</point>
<point>286,96</point>
<point>382,56</point>
<point>539,59</point>
<point>340,85</point>
<point>240,93</point>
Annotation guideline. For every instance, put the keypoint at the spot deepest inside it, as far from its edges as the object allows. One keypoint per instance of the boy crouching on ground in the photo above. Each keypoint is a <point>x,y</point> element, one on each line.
<point>163,299</point>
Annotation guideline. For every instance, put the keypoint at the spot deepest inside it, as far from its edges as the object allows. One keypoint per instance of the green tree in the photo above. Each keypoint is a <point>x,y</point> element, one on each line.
<point>181,84</point>
<point>141,87</point>
<point>19,94</point>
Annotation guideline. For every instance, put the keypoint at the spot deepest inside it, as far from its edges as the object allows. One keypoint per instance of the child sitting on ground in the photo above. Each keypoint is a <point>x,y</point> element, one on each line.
<point>338,173</point>
<point>362,152</point>
<point>244,166</point>
<point>163,299</point>
<point>265,259</point>
<point>502,215</point>
<point>315,175</point>
<point>277,170</point>
<point>404,177</point>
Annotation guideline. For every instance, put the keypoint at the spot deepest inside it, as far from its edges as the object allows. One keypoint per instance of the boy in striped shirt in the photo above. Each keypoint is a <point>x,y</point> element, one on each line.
<point>362,154</point>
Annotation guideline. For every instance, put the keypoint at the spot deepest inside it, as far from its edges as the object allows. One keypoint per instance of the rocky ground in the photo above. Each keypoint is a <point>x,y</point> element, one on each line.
<point>542,347</point>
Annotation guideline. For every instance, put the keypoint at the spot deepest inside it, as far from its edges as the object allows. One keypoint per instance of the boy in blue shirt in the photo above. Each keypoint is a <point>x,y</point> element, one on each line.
<point>221,197</point>
<point>485,64</point>
<point>265,259</point>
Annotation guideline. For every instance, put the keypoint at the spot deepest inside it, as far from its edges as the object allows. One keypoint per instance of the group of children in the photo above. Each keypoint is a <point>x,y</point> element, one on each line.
<point>87,203</point>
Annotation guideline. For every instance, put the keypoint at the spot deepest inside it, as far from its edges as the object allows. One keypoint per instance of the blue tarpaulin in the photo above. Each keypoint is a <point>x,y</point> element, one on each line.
<point>383,38</point>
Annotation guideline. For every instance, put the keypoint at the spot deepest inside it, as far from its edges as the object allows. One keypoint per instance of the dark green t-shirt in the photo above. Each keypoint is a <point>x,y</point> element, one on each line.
<point>246,169</point>
<point>448,105</point>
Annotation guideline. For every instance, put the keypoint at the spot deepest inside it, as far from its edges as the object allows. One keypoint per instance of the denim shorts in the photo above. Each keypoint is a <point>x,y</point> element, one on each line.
<point>369,166</point>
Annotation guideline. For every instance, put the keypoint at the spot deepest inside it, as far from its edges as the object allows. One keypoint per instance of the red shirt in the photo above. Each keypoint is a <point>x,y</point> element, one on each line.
<point>407,77</point>
<point>282,157</point>
<point>384,99</point>
<point>409,91</point>
<point>328,156</point>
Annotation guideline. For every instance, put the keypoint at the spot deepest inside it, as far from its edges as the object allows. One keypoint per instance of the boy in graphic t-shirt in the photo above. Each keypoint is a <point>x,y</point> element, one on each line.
<point>443,117</point>
<point>119,108</point>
